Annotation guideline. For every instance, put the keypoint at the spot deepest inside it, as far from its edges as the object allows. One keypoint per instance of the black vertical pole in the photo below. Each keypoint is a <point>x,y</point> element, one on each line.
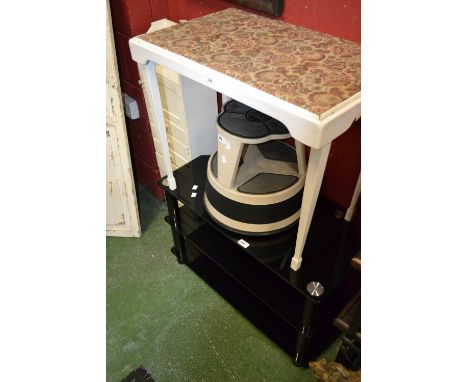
<point>303,339</point>
<point>174,221</point>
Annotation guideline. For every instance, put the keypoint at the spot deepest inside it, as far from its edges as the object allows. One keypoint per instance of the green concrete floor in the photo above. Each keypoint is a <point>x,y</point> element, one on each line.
<point>162,316</point>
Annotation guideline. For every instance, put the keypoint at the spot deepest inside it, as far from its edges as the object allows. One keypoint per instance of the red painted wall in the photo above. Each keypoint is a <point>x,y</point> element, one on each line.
<point>131,18</point>
<point>340,18</point>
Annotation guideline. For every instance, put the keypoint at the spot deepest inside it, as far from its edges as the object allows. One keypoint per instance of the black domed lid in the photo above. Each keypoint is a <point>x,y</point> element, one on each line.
<point>243,121</point>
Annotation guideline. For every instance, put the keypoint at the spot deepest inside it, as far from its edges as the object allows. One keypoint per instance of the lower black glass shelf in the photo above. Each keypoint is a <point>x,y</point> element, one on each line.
<point>275,292</point>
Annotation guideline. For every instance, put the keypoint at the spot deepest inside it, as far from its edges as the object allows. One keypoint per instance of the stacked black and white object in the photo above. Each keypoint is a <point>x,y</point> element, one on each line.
<point>254,181</point>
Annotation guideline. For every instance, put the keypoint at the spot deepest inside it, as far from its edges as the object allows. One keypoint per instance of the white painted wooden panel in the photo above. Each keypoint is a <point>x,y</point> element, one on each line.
<point>176,160</point>
<point>175,151</point>
<point>172,101</point>
<point>121,206</point>
<point>168,78</point>
<point>114,209</point>
<point>175,131</point>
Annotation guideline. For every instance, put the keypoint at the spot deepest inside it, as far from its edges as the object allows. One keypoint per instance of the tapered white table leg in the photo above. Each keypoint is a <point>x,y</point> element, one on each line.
<point>156,105</point>
<point>352,207</point>
<point>315,169</point>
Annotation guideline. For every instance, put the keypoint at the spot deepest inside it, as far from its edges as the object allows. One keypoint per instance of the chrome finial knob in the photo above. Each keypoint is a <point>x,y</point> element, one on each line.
<point>315,288</point>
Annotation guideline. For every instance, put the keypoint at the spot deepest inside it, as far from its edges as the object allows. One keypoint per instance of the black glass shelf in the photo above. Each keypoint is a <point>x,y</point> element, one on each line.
<point>240,266</point>
<point>327,252</point>
<point>258,280</point>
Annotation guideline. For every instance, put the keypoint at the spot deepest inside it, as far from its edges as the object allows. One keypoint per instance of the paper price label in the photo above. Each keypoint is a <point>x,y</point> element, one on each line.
<point>243,243</point>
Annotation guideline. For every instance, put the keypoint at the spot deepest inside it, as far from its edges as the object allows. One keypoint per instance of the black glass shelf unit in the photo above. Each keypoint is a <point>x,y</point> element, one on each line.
<point>257,280</point>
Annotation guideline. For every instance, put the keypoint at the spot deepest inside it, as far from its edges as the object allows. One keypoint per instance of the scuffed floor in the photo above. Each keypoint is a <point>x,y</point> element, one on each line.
<point>162,316</point>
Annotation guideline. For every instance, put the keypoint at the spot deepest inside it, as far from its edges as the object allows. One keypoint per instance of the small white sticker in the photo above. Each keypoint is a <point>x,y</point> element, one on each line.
<point>195,186</point>
<point>243,243</point>
<point>194,194</point>
<point>223,159</point>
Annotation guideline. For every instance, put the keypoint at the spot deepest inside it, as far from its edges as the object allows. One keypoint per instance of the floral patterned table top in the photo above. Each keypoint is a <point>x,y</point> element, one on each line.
<point>309,69</point>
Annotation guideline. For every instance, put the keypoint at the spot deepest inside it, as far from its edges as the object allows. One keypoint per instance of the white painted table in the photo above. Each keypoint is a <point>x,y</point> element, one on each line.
<point>308,80</point>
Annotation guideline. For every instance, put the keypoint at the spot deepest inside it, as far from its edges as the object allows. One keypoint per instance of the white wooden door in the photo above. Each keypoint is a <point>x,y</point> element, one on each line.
<point>121,205</point>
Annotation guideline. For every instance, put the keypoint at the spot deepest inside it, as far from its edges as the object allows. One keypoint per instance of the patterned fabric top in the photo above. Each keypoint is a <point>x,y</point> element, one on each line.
<point>309,69</point>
